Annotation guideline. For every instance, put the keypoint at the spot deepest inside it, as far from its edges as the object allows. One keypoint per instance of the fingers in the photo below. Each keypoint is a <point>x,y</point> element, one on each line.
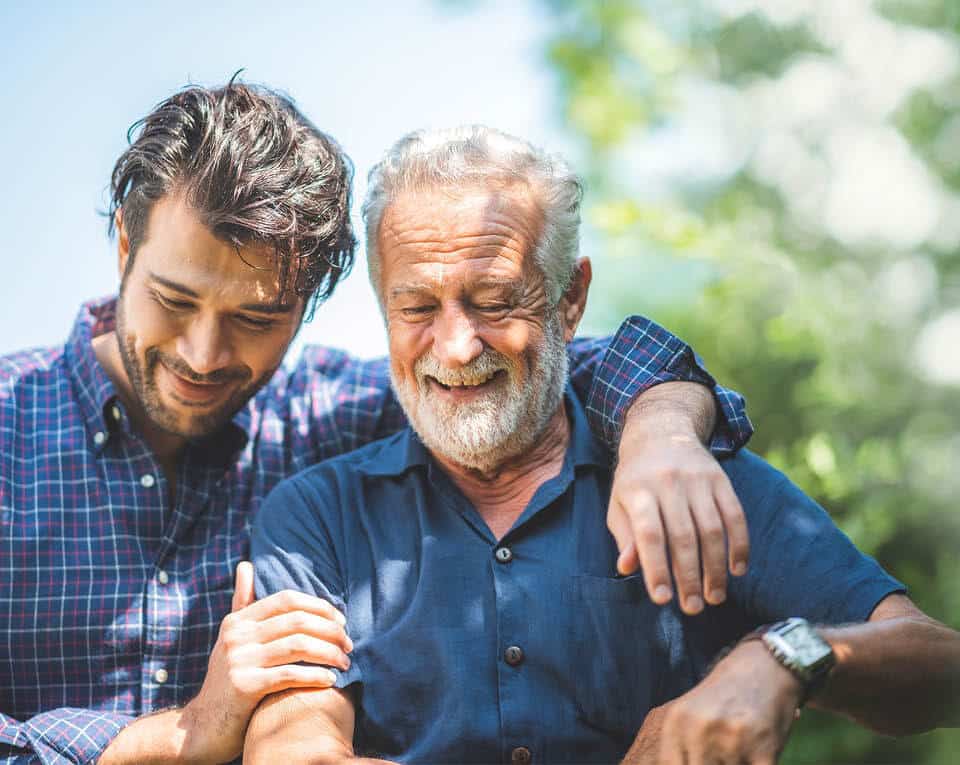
<point>649,543</point>
<point>290,600</point>
<point>713,548</point>
<point>619,525</point>
<point>304,623</point>
<point>684,552</point>
<point>628,561</point>
<point>243,586</point>
<point>734,522</point>
<point>296,648</point>
<point>287,676</point>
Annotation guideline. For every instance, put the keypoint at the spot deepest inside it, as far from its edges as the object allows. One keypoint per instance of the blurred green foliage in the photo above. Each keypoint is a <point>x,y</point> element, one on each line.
<point>822,329</point>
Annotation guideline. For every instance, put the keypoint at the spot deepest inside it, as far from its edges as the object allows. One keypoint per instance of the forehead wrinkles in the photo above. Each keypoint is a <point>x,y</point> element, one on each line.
<point>478,223</point>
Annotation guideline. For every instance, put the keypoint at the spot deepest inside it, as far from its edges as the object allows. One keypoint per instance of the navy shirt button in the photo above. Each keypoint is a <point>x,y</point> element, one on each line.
<point>521,756</point>
<point>513,655</point>
<point>504,555</point>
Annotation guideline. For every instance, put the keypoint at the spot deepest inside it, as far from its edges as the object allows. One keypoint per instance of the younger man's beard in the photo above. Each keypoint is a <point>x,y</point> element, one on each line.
<point>143,381</point>
<point>499,424</point>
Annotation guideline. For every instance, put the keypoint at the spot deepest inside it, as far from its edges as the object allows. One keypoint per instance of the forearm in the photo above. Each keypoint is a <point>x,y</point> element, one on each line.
<point>646,746</point>
<point>671,410</point>
<point>303,727</point>
<point>896,676</point>
<point>158,739</point>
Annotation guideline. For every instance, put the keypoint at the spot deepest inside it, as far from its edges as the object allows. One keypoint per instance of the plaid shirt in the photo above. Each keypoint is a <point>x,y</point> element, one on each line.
<point>112,592</point>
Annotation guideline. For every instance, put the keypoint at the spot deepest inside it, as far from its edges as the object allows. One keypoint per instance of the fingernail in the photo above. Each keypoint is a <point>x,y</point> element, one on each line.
<point>739,568</point>
<point>349,644</point>
<point>662,594</point>
<point>330,677</point>
<point>340,619</point>
<point>694,604</point>
<point>717,597</point>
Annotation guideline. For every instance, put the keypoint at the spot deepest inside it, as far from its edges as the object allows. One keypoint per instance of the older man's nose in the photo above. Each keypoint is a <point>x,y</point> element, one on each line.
<point>456,341</point>
<point>205,347</point>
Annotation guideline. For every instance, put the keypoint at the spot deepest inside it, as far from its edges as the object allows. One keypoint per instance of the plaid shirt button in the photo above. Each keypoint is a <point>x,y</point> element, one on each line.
<point>99,437</point>
<point>162,577</point>
<point>147,481</point>
<point>161,676</point>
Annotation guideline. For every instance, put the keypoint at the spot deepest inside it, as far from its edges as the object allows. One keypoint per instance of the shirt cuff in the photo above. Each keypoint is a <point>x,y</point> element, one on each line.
<point>643,354</point>
<point>65,736</point>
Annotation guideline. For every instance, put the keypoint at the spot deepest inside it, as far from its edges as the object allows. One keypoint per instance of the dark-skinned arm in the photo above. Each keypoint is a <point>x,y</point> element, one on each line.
<point>896,674</point>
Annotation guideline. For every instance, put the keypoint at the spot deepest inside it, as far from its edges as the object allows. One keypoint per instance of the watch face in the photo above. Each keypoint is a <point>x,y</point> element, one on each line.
<point>807,646</point>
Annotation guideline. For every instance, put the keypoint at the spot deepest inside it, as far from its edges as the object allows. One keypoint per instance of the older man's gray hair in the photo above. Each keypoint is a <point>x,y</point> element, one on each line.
<point>475,155</point>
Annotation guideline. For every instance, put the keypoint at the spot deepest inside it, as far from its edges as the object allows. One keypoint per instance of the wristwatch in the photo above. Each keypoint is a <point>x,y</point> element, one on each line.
<point>797,646</point>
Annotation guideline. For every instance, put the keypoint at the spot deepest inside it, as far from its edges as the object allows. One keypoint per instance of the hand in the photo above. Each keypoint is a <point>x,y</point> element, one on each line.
<point>256,654</point>
<point>740,713</point>
<point>669,490</point>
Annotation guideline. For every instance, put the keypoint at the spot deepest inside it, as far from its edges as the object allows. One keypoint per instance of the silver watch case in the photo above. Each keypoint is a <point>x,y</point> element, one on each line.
<point>798,647</point>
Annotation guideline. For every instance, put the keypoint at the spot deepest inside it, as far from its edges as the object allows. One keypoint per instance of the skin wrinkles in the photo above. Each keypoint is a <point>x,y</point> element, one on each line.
<point>477,294</point>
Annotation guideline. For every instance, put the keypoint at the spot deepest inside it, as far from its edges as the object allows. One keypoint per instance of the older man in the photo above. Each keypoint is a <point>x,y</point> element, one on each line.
<point>133,456</point>
<point>468,554</point>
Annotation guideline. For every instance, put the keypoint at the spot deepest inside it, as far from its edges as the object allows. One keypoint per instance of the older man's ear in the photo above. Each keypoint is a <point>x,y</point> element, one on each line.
<point>574,301</point>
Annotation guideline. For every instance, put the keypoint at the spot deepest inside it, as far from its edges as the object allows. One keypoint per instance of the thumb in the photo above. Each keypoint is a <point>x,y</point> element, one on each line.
<point>243,589</point>
<point>619,525</point>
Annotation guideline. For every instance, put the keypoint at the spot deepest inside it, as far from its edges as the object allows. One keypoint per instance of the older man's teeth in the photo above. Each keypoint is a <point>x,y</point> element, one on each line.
<point>466,382</point>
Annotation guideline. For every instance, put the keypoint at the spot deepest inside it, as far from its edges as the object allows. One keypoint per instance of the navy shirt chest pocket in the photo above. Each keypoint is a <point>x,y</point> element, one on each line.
<point>622,653</point>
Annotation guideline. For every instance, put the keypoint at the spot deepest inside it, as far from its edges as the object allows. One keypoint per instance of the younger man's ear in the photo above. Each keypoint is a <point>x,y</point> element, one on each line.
<point>574,301</point>
<point>123,242</point>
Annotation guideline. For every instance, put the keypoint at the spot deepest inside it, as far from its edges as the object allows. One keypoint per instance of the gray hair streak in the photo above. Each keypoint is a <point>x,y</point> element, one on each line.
<point>475,155</point>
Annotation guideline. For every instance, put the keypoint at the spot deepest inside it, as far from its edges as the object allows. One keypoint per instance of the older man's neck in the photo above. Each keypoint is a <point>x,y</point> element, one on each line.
<point>501,493</point>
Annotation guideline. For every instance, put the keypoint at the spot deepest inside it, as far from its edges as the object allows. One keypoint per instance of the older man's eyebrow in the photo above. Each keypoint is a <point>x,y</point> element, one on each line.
<point>413,288</point>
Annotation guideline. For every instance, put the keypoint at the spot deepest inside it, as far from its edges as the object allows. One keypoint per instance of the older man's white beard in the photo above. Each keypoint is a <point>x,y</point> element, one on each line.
<point>498,425</point>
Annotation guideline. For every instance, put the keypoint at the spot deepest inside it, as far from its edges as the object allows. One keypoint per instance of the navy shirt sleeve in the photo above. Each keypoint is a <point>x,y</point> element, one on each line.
<point>801,563</point>
<point>293,547</point>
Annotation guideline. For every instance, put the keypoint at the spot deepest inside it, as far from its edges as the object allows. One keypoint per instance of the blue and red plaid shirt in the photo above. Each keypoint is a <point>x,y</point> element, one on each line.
<point>112,592</point>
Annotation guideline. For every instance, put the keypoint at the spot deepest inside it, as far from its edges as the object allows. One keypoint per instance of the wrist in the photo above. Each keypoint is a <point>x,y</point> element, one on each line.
<point>657,429</point>
<point>686,409</point>
<point>788,685</point>
<point>155,739</point>
<point>192,729</point>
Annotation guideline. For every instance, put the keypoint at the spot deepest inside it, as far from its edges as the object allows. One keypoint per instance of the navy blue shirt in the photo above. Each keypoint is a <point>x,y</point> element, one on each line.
<point>467,648</point>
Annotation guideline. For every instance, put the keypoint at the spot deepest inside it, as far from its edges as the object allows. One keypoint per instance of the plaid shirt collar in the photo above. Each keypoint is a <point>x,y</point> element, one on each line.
<point>104,412</point>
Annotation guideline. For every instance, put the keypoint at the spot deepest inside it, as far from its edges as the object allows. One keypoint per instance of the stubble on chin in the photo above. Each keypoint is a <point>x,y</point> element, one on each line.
<point>143,383</point>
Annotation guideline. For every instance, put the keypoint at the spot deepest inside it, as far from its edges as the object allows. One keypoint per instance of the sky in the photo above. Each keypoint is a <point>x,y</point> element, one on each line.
<point>76,75</point>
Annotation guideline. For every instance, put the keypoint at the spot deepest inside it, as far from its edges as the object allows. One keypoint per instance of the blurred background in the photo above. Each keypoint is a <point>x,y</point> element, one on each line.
<point>777,181</point>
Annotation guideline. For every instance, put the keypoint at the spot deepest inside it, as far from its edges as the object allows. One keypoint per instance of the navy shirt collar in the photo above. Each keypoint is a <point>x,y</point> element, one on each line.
<point>405,450</point>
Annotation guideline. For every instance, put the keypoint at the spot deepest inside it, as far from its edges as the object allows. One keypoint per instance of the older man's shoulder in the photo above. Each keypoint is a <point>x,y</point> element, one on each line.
<point>754,479</point>
<point>377,458</point>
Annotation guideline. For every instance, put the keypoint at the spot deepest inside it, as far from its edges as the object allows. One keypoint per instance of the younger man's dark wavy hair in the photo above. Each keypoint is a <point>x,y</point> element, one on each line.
<point>254,169</point>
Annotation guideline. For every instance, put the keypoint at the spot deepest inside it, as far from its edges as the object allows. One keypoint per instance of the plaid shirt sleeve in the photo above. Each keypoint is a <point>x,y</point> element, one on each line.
<point>64,736</point>
<point>610,373</point>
